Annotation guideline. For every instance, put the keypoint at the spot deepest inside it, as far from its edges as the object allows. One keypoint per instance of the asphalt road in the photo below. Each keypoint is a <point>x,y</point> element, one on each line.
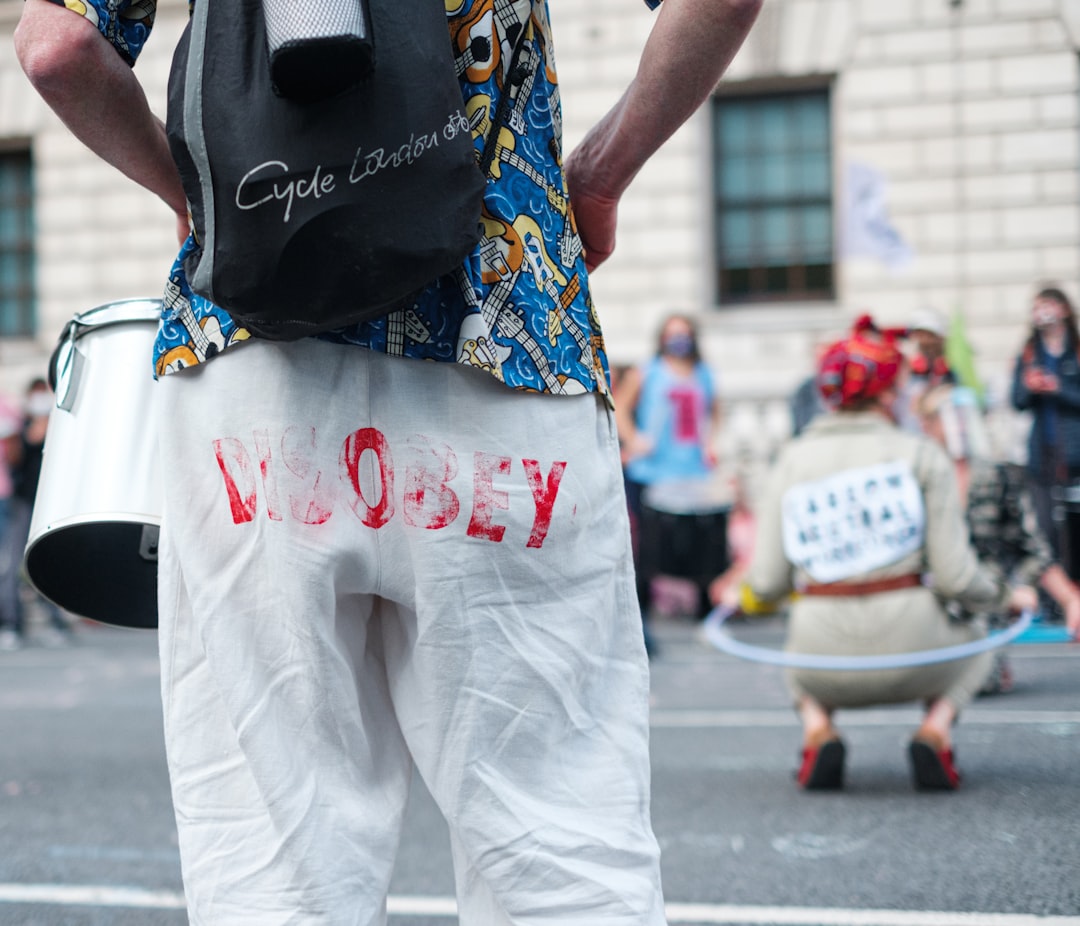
<point>87,836</point>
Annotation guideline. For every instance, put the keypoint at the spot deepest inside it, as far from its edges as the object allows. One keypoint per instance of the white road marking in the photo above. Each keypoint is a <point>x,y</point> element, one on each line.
<point>90,895</point>
<point>783,717</point>
<point>689,913</point>
<point>40,700</point>
<point>115,853</point>
<point>421,906</point>
<point>815,846</point>
<point>707,914</point>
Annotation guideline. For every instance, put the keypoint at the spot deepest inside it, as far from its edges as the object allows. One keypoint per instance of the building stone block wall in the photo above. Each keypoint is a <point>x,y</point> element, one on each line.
<point>972,113</point>
<point>969,111</point>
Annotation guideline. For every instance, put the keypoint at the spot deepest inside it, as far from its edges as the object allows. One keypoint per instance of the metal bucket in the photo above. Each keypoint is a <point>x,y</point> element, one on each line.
<point>94,532</point>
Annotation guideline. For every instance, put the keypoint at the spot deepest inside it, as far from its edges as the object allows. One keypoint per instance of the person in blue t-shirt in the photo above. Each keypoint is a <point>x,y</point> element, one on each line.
<point>668,411</point>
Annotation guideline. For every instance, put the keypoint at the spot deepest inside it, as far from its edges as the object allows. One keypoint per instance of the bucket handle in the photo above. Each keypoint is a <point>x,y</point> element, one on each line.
<point>66,366</point>
<point>67,361</point>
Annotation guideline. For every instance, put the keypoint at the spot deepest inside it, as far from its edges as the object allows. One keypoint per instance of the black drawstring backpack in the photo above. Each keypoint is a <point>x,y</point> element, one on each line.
<point>326,157</point>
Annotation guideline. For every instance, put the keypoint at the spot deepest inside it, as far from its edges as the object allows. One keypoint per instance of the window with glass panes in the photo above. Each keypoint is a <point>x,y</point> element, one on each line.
<point>16,244</point>
<point>773,196</point>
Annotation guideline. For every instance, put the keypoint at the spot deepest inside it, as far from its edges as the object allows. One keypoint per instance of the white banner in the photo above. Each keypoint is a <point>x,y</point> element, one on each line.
<point>866,228</point>
<point>854,521</point>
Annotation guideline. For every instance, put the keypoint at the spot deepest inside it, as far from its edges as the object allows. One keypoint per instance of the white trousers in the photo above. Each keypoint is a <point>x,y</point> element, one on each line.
<point>369,563</point>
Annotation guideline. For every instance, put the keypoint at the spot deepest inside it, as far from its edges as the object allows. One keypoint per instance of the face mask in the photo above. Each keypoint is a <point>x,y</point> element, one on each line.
<point>39,404</point>
<point>1044,315</point>
<point>678,345</point>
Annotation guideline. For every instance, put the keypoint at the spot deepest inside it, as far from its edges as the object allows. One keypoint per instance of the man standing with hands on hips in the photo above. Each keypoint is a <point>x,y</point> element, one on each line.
<point>370,564</point>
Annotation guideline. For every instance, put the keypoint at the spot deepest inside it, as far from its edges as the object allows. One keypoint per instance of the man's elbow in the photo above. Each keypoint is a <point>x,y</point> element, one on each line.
<point>54,47</point>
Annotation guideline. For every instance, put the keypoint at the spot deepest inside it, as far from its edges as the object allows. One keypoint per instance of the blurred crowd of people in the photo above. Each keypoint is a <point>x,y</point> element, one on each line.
<point>888,525</point>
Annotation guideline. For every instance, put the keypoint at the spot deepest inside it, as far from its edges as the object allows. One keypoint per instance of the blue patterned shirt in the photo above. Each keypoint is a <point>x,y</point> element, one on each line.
<point>519,308</point>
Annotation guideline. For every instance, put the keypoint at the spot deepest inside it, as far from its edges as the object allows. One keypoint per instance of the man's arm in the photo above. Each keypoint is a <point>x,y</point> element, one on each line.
<point>689,48</point>
<point>97,96</point>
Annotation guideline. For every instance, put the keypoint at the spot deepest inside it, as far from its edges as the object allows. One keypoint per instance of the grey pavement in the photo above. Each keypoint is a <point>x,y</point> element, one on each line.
<point>87,835</point>
<point>736,830</point>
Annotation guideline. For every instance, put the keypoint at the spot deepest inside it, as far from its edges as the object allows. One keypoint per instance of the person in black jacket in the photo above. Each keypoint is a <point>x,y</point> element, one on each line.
<point>1046,382</point>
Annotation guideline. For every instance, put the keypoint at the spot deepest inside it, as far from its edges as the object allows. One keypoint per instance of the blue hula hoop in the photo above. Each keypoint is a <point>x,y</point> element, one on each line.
<point>718,636</point>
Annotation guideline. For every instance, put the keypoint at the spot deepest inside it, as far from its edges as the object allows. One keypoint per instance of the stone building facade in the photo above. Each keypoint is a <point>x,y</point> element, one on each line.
<point>959,118</point>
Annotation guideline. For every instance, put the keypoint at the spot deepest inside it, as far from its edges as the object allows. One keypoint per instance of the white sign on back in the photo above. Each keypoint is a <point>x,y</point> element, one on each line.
<point>854,521</point>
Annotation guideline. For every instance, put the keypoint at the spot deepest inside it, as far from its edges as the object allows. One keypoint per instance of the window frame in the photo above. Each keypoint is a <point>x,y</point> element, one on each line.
<point>797,289</point>
<point>22,292</point>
